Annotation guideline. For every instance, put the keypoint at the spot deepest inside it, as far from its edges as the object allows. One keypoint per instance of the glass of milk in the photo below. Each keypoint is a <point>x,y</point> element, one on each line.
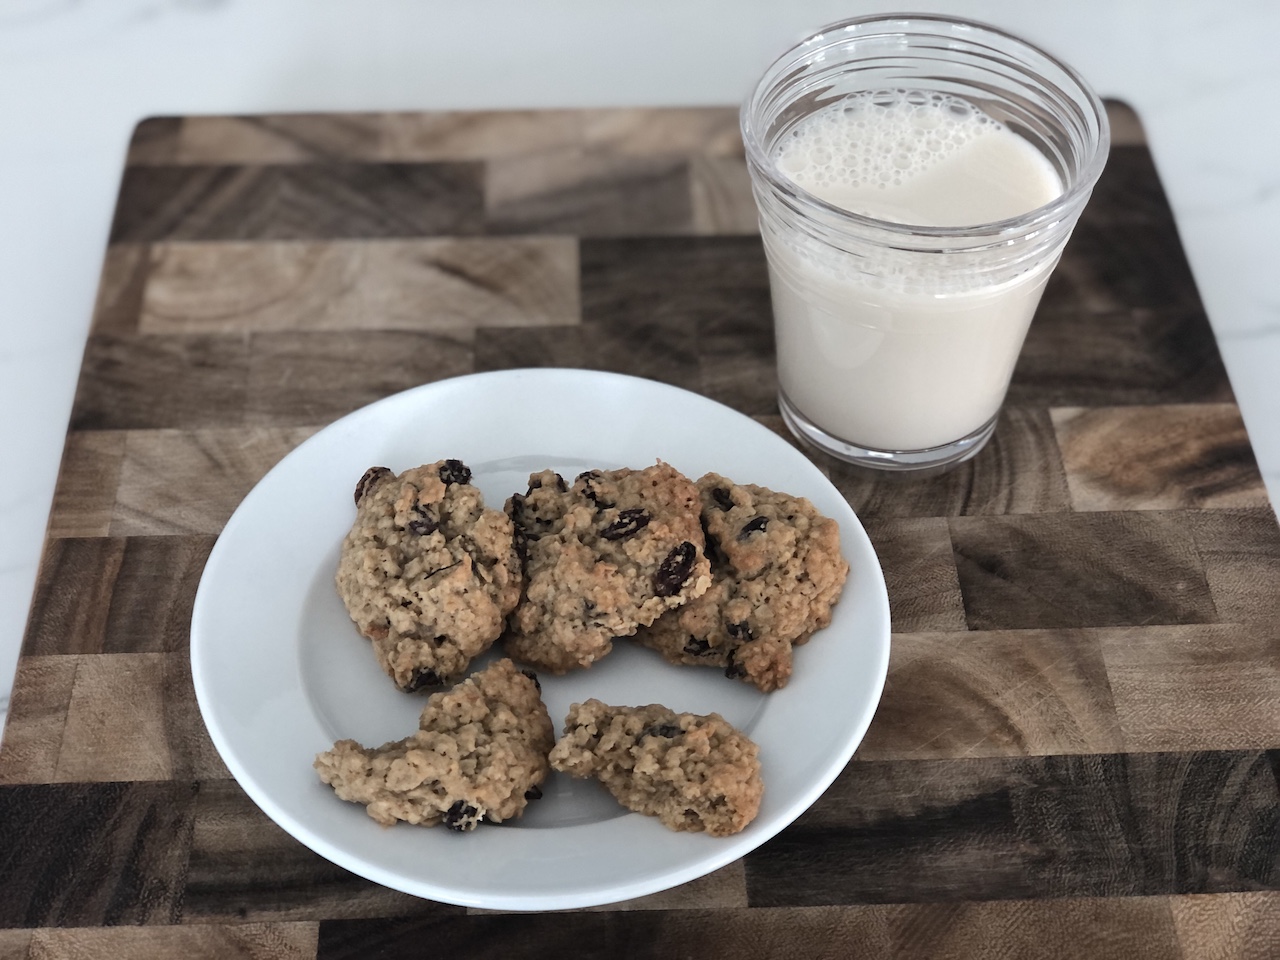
<point>916,179</point>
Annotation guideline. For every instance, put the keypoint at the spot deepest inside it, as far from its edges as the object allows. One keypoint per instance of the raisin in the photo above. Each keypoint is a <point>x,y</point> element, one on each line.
<point>629,523</point>
<point>533,793</point>
<point>561,485</point>
<point>372,477</point>
<point>454,471</point>
<point>590,492</point>
<point>521,540</point>
<point>516,509</point>
<point>740,631</point>
<point>697,647</point>
<point>462,816</point>
<point>534,677</point>
<point>722,498</point>
<point>424,526</point>
<point>667,730</point>
<point>674,570</point>
<point>422,677</point>
<point>755,525</point>
<point>735,670</point>
<point>713,551</point>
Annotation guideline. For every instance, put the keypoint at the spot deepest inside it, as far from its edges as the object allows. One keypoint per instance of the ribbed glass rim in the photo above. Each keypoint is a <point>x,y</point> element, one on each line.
<point>1021,225</point>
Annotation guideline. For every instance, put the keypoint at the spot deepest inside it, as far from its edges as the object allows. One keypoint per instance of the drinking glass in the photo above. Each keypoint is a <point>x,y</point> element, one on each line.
<point>896,341</point>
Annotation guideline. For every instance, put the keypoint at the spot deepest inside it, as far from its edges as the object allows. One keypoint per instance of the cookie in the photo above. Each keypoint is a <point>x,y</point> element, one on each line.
<point>776,572</point>
<point>479,755</point>
<point>427,573</point>
<point>602,558</point>
<point>692,772</point>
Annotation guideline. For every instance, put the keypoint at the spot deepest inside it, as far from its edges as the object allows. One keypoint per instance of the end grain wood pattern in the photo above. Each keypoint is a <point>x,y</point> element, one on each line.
<point>1078,749</point>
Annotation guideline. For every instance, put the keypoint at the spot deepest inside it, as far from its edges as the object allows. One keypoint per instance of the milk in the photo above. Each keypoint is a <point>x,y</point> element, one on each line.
<point>902,351</point>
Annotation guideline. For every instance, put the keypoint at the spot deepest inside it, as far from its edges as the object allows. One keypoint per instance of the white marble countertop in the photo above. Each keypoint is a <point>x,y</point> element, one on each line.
<point>76,75</point>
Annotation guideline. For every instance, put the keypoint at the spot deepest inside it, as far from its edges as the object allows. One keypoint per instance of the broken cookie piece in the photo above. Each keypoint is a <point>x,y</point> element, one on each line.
<point>692,772</point>
<point>480,754</point>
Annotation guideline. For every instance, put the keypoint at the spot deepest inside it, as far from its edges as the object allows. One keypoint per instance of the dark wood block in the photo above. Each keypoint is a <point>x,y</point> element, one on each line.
<point>1061,930</point>
<point>716,285</point>
<point>1150,823</point>
<point>150,382</point>
<point>298,202</point>
<point>898,832</point>
<point>504,349</point>
<point>319,376</point>
<point>606,936</point>
<point>116,595</point>
<point>1018,471</point>
<point>1122,265</point>
<point>1240,550</point>
<point>93,854</point>
<point>245,868</point>
<point>919,573</point>
<point>734,320</point>
<point>660,350</point>
<point>976,829</point>
<point>586,193</point>
<point>1129,191</point>
<point>1079,570</point>
<point>738,368</point>
<point>722,889</point>
<point>1075,357</point>
<point>678,306</point>
<point>70,615</point>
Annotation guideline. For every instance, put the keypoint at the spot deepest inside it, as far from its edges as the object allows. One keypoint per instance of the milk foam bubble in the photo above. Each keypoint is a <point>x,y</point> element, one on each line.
<point>918,158</point>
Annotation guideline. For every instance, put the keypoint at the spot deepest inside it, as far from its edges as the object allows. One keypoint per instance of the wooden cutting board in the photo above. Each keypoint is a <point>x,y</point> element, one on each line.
<point>1078,747</point>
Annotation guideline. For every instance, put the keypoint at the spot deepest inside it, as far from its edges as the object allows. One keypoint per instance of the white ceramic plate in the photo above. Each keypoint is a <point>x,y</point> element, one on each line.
<point>281,673</point>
